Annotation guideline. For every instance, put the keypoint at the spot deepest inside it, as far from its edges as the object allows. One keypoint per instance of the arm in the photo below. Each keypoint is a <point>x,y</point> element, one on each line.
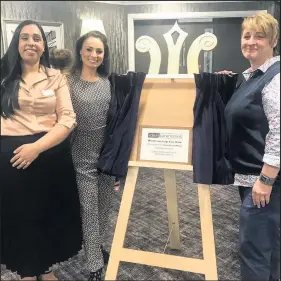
<point>66,119</point>
<point>271,104</point>
<point>27,153</point>
<point>57,135</point>
<point>270,171</point>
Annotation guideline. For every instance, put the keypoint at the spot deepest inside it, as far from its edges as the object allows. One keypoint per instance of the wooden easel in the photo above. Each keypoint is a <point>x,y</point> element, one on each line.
<point>165,103</point>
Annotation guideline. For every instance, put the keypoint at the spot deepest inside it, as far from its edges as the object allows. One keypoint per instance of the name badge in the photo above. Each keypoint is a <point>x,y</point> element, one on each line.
<point>48,93</point>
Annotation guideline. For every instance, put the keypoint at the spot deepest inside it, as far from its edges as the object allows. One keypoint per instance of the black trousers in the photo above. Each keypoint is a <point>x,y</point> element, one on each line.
<point>259,237</point>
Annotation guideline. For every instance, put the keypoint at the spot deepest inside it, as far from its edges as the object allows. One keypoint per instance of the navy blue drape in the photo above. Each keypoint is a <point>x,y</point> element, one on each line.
<point>121,123</point>
<point>209,147</point>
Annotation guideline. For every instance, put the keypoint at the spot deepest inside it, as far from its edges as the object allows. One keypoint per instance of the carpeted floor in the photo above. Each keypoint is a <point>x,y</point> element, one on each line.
<point>148,230</point>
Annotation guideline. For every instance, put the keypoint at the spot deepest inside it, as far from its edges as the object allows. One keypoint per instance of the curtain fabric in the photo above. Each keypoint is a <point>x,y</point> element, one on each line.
<point>209,150</point>
<point>121,123</point>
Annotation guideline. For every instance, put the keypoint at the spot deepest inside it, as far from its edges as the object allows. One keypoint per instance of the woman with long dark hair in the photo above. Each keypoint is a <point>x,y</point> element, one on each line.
<point>91,95</point>
<point>40,210</point>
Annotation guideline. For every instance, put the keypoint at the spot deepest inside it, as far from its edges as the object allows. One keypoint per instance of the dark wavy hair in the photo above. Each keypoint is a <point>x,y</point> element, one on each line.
<point>103,69</point>
<point>11,71</point>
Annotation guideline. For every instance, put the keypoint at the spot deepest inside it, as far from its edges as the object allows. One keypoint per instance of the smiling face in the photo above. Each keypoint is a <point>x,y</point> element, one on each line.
<point>31,44</point>
<point>92,52</point>
<point>259,37</point>
<point>256,46</point>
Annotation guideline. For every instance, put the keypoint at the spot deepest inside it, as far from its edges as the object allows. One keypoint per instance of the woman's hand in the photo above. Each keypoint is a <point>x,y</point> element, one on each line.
<point>227,72</point>
<point>25,155</point>
<point>261,194</point>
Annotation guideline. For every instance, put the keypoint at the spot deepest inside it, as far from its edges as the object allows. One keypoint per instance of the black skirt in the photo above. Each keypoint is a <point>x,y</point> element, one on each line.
<point>40,210</point>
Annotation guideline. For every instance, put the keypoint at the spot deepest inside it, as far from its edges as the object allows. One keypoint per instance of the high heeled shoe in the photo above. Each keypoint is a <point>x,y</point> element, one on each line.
<point>105,255</point>
<point>48,276</point>
<point>34,278</point>
<point>96,275</point>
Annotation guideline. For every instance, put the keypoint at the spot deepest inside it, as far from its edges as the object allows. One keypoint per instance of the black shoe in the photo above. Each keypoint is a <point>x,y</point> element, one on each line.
<point>95,276</point>
<point>105,255</point>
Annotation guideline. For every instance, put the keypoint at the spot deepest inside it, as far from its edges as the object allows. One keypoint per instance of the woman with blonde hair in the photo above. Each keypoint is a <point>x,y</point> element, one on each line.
<point>253,124</point>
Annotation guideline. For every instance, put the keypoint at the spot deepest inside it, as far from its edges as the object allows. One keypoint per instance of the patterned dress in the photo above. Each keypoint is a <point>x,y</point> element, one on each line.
<point>91,102</point>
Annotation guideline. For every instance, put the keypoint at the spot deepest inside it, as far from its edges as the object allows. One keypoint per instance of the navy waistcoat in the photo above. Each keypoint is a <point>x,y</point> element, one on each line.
<point>247,125</point>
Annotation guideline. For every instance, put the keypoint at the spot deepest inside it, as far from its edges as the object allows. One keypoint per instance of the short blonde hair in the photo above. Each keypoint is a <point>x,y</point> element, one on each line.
<point>265,23</point>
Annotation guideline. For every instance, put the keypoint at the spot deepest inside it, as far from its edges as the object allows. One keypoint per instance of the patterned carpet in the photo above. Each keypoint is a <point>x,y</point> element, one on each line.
<point>148,230</point>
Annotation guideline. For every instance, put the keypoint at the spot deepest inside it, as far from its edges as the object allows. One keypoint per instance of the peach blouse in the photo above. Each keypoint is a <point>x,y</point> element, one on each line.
<point>44,103</point>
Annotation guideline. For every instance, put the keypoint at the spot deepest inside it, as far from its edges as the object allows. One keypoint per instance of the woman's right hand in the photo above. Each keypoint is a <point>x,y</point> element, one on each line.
<point>226,72</point>
<point>25,155</point>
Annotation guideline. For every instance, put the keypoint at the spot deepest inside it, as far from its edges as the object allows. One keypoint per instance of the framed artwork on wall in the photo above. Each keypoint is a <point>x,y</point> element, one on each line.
<point>181,44</point>
<point>54,32</point>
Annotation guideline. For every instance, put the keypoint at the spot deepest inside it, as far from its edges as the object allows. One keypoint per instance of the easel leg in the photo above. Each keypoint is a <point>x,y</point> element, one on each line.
<point>122,222</point>
<point>172,207</point>
<point>208,239</point>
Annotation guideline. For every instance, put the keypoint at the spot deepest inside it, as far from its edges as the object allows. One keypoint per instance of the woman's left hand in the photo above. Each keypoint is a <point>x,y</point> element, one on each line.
<point>25,155</point>
<point>261,194</point>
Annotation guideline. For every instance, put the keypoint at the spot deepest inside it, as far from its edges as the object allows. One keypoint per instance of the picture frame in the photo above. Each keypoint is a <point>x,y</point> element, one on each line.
<point>54,32</point>
<point>191,17</point>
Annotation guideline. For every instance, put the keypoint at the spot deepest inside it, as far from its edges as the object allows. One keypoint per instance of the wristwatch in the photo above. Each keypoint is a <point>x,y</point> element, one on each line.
<point>266,180</point>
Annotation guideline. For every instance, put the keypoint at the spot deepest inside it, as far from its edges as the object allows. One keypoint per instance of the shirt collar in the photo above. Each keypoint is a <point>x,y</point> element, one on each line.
<point>263,67</point>
<point>43,74</point>
<point>47,72</point>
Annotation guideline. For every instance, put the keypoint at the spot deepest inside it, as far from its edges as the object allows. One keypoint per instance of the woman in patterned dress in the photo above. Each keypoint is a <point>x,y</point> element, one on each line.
<point>91,95</point>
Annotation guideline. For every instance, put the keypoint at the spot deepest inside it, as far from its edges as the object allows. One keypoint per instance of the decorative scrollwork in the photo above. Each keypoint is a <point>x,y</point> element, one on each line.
<point>147,44</point>
<point>205,42</point>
